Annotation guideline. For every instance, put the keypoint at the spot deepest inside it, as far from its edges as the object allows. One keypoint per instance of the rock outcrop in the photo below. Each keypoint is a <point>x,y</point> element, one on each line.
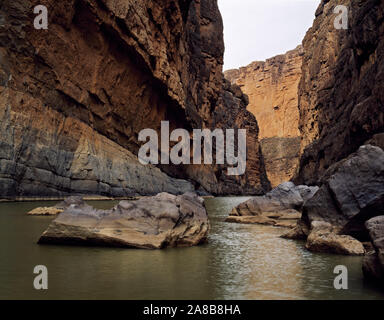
<point>149,223</point>
<point>272,88</point>
<point>373,265</point>
<point>73,98</point>
<point>340,93</point>
<point>280,207</point>
<point>352,193</point>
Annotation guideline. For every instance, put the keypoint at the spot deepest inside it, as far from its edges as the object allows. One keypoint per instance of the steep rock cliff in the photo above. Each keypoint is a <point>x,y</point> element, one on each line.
<point>74,97</point>
<point>272,88</point>
<point>341,97</point>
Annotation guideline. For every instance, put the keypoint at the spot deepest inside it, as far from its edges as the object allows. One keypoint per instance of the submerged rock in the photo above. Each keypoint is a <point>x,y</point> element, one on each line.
<point>352,193</point>
<point>58,208</point>
<point>373,265</point>
<point>323,238</point>
<point>151,223</point>
<point>45,211</point>
<point>280,207</point>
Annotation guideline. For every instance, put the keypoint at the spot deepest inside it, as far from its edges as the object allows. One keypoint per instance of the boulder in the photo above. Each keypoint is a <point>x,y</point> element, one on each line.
<point>280,207</point>
<point>149,223</point>
<point>373,264</point>
<point>299,232</point>
<point>352,193</point>
<point>323,238</point>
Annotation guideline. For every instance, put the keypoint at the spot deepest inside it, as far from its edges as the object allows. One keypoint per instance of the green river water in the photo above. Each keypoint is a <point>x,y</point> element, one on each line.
<point>238,262</point>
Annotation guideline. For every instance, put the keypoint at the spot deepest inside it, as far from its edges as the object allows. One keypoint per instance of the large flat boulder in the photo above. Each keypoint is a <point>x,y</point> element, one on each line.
<point>280,207</point>
<point>151,223</point>
<point>373,265</point>
<point>352,193</point>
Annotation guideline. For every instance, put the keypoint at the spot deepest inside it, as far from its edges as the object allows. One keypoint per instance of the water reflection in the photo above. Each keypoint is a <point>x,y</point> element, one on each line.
<point>239,262</point>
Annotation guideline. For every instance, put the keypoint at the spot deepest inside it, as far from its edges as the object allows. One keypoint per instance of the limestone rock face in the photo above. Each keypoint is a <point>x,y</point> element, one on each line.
<point>272,88</point>
<point>352,193</point>
<point>149,223</point>
<point>340,93</point>
<point>281,158</point>
<point>373,265</point>
<point>280,207</point>
<point>73,98</point>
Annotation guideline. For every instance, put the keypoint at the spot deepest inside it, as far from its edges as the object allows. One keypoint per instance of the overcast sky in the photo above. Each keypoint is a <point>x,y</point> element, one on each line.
<point>259,29</point>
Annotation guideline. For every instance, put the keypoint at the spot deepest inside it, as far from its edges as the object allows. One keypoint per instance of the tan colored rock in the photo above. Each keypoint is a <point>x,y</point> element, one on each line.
<point>149,223</point>
<point>272,88</point>
<point>45,211</point>
<point>299,232</point>
<point>324,238</point>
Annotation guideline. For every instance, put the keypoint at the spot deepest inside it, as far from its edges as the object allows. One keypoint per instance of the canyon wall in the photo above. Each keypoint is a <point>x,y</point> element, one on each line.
<point>341,97</point>
<point>272,88</point>
<point>73,98</point>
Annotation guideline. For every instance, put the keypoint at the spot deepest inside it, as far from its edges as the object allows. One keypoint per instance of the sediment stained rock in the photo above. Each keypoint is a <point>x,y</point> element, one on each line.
<point>149,223</point>
<point>73,98</point>
<point>272,88</point>
<point>341,93</point>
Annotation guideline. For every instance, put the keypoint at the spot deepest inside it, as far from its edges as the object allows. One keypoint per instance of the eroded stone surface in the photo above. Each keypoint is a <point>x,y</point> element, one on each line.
<point>280,207</point>
<point>149,223</point>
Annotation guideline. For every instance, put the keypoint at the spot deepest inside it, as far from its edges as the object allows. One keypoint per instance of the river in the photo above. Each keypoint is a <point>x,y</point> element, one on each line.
<point>238,262</point>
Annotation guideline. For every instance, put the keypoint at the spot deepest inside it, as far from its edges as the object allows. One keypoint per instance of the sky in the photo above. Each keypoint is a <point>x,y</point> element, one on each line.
<point>256,30</point>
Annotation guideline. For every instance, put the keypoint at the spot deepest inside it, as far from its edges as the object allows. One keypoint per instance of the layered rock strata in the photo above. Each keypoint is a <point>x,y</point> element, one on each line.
<point>73,98</point>
<point>272,88</point>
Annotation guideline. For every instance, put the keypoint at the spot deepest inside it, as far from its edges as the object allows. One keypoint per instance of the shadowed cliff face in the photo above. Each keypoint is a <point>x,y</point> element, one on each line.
<point>74,97</point>
<point>341,91</point>
<point>272,88</point>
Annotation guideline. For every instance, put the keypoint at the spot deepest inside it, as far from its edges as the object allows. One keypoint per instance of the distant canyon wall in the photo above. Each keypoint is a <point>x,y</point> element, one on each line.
<point>73,98</point>
<point>272,88</point>
<point>341,96</point>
